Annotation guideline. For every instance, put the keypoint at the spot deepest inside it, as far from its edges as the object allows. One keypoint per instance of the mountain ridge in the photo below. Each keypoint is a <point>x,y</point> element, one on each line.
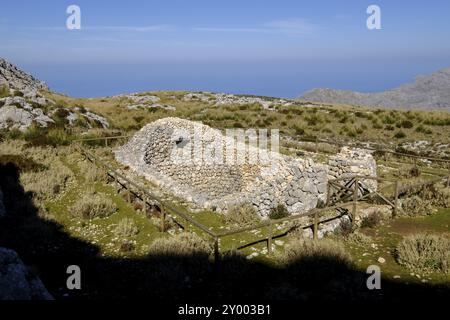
<point>425,92</point>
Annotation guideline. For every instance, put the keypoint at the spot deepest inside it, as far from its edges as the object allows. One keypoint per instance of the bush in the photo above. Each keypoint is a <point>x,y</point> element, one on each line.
<point>278,212</point>
<point>182,244</point>
<point>126,228</point>
<point>416,206</point>
<point>91,172</point>
<point>423,252</point>
<point>18,93</point>
<point>315,262</point>
<point>38,136</point>
<point>437,194</point>
<point>345,228</point>
<point>46,184</point>
<point>359,239</point>
<point>371,220</point>
<point>4,91</point>
<point>242,215</point>
<point>93,206</point>
<point>406,124</point>
<point>400,135</point>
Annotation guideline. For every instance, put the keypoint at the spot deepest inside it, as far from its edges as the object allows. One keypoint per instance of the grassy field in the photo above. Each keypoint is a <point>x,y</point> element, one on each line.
<point>53,176</point>
<point>297,121</point>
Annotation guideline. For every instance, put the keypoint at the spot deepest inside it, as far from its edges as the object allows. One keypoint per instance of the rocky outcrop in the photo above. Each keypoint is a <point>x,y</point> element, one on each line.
<point>17,79</point>
<point>166,152</point>
<point>20,113</point>
<point>16,280</point>
<point>427,92</point>
<point>219,99</point>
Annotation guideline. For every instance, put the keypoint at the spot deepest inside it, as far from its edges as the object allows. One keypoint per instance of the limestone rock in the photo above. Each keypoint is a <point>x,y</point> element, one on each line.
<point>17,282</point>
<point>16,79</point>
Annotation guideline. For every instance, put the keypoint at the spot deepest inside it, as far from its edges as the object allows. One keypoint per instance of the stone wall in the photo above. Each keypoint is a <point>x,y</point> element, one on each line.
<point>349,162</point>
<point>154,152</point>
<point>166,153</point>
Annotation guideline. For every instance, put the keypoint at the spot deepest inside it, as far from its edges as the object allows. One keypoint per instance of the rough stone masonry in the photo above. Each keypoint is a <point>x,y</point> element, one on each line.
<point>218,184</point>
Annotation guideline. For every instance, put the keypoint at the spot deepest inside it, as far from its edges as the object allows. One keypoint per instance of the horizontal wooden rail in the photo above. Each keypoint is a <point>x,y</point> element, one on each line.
<point>146,193</point>
<point>339,144</point>
<point>269,223</point>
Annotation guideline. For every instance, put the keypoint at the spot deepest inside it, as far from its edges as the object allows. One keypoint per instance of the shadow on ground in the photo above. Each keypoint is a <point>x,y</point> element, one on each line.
<point>48,250</point>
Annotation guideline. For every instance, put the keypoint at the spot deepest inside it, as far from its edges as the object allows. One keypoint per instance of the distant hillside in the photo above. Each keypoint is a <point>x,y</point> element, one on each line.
<point>426,92</point>
<point>17,79</point>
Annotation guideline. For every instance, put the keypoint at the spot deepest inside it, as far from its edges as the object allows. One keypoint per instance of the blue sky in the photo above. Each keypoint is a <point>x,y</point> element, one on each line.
<point>278,48</point>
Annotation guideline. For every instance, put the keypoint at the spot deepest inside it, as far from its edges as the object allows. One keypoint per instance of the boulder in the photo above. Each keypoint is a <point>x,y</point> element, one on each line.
<point>16,280</point>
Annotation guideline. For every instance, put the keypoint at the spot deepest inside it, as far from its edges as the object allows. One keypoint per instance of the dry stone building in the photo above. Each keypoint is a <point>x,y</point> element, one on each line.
<point>213,170</point>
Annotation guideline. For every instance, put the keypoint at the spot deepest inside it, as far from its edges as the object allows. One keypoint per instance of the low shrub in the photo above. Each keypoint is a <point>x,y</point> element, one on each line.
<point>38,136</point>
<point>23,163</point>
<point>312,263</point>
<point>424,252</point>
<point>307,248</point>
<point>359,239</point>
<point>93,206</point>
<point>91,172</point>
<point>182,244</point>
<point>280,211</point>
<point>345,228</point>
<point>372,220</point>
<point>18,93</point>
<point>437,194</point>
<point>46,184</point>
<point>416,206</point>
<point>242,215</point>
<point>126,228</point>
<point>406,124</point>
<point>4,91</point>
<point>400,135</point>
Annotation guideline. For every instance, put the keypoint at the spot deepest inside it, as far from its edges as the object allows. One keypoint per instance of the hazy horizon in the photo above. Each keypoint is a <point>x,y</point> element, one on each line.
<point>280,49</point>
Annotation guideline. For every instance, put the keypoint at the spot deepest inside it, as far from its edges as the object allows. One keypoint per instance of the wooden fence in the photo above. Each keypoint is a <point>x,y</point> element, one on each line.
<point>351,192</point>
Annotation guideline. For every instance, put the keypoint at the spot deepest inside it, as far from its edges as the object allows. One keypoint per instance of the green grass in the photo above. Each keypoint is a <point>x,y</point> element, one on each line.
<point>323,121</point>
<point>388,235</point>
<point>105,238</point>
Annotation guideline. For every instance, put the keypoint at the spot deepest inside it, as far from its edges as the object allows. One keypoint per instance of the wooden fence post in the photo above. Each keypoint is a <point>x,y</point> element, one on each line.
<point>355,199</point>
<point>163,219</point>
<point>144,204</point>
<point>128,196</point>
<point>269,240</point>
<point>396,189</point>
<point>316,226</point>
<point>448,178</point>
<point>106,142</point>
<point>328,194</point>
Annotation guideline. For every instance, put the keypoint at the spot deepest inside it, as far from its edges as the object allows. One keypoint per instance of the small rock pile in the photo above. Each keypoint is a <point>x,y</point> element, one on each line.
<point>219,99</point>
<point>145,101</point>
<point>21,112</point>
